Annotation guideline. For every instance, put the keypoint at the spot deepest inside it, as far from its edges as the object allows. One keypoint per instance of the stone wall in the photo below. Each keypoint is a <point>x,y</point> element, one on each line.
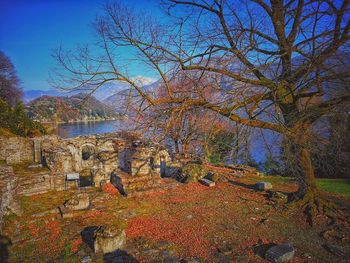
<point>145,160</point>
<point>102,155</point>
<point>15,150</point>
<point>80,153</point>
<point>40,182</point>
<point>8,191</point>
<point>94,157</point>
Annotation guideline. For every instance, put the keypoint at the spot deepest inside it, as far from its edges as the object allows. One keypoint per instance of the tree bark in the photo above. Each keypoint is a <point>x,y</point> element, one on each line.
<point>307,182</point>
<point>299,136</point>
<point>176,146</point>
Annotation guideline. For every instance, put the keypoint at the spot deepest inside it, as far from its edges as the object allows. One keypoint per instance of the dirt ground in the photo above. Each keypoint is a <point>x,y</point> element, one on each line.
<point>230,222</point>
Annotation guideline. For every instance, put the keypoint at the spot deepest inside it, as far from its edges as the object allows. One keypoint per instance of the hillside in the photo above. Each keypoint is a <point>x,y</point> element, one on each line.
<point>102,93</point>
<point>122,99</point>
<point>69,109</point>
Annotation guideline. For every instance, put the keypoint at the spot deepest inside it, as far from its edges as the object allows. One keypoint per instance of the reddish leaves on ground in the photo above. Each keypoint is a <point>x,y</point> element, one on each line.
<point>34,230</point>
<point>189,220</point>
<point>189,238</point>
<point>93,214</point>
<point>75,244</point>
<point>54,230</point>
<point>110,189</point>
<point>185,228</point>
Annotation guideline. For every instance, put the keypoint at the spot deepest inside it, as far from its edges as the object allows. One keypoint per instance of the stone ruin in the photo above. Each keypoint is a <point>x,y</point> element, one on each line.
<point>100,157</point>
<point>130,163</point>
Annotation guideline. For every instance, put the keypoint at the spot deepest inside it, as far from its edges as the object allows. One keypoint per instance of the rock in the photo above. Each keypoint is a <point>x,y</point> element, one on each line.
<point>207,182</point>
<point>108,239</point>
<point>193,172</point>
<point>226,248</point>
<point>163,245</point>
<point>280,253</point>
<point>78,202</point>
<point>171,259</point>
<point>119,256</point>
<point>85,259</point>
<point>37,165</point>
<point>193,260</point>
<point>307,255</point>
<point>278,197</point>
<point>263,186</point>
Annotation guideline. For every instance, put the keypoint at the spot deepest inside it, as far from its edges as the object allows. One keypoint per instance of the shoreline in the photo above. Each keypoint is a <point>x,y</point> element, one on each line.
<point>80,121</point>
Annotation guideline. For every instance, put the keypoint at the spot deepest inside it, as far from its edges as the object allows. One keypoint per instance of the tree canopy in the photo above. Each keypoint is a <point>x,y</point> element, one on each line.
<point>10,90</point>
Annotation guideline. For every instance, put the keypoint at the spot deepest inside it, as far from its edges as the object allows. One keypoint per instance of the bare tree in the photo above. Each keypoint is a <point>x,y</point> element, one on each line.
<point>268,59</point>
<point>188,131</point>
<point>10,90</point>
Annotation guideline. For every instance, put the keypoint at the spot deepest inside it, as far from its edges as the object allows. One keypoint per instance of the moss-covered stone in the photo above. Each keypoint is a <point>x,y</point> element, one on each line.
<point>194,172</point>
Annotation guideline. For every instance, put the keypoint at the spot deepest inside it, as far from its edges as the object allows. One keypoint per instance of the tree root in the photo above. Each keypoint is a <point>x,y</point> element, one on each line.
<point>315,205</point>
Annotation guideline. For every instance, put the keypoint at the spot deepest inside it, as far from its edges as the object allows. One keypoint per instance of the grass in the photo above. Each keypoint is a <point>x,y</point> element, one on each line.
<point>337,186</point>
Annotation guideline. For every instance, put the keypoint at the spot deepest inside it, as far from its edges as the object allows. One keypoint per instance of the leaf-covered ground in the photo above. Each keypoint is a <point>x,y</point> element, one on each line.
<point>227,223</point>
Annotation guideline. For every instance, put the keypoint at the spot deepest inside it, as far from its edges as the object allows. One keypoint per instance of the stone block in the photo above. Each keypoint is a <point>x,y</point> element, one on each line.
<point>78,202</point>
<point>108,239</point>
<point>263,186</point>
<point>280,253</point>
<point>33,166</point>
<point>85,259</point>
<point>207,182</point>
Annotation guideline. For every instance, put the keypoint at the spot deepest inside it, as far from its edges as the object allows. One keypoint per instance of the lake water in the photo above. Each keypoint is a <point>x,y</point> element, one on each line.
<point>69,130</point>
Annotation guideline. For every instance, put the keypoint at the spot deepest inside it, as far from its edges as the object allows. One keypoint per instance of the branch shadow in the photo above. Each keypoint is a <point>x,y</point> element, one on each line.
<point>247,186</point>
<point>5,242</point>
<point>261,249</point>
<point>119,256</point>
<point>87,235</point>
<point>116,181</point>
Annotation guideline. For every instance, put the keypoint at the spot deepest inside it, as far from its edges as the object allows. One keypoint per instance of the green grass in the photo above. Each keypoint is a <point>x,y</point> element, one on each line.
<point>338,186</point>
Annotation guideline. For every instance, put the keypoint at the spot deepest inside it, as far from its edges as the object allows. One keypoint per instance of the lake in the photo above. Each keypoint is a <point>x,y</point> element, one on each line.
<point>69,130</point>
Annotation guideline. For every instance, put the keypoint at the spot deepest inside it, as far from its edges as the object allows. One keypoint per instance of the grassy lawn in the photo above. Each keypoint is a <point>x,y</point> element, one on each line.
<point>338,186</point>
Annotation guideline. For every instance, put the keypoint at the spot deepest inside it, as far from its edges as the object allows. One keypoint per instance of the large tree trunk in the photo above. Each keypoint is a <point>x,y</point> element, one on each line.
<point>299,136</point>
<point>307,196</point>
<point>306,181</point>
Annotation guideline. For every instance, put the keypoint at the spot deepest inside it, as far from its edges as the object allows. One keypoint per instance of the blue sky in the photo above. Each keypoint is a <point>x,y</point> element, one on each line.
<point>31,29</point>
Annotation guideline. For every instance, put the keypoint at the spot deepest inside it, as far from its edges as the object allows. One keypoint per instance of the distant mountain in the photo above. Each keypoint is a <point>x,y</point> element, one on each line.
<point>101,93</point>
<point>109,89</point>
<point>113,88</point>
<point>69,109</point>
<point>30,95</point>
<point>123,98</point>
<point>113,95</point>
